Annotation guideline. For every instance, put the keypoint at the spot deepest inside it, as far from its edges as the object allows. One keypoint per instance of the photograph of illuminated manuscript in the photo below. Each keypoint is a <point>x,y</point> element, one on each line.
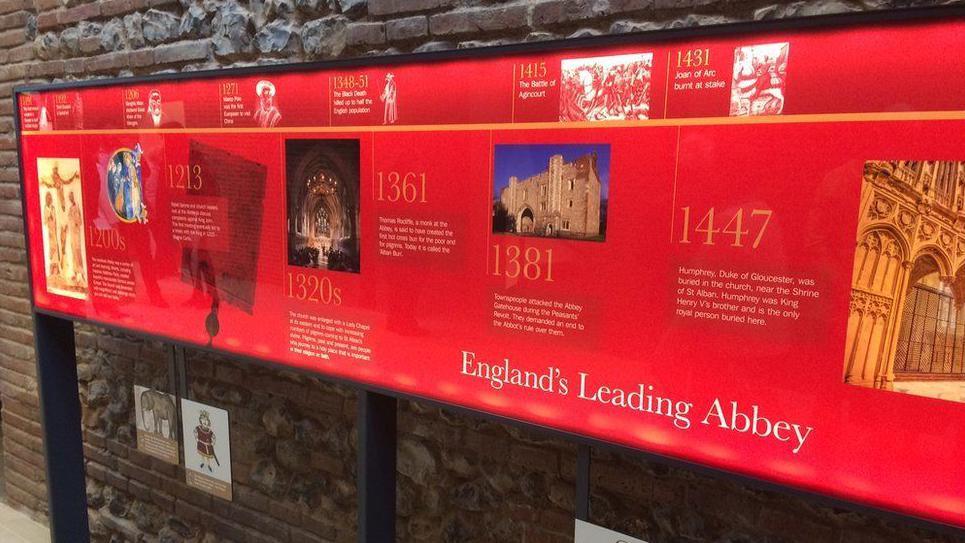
<point>124,187</point>
<point>554,191</point>
<point>606,88</point>
<point>906,327</point>
<point>760,74</point>
<point>62,226</point>
<point>322,178</point>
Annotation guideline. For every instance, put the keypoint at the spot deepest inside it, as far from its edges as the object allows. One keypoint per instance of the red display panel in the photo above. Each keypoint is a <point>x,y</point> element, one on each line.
<point>742,251</point>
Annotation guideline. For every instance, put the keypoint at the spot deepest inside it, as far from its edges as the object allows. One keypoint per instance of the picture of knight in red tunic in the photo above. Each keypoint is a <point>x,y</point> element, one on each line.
<point>205,437</point>
<point>606,88</point>
<point>760,74</point>
<point>207,464</point>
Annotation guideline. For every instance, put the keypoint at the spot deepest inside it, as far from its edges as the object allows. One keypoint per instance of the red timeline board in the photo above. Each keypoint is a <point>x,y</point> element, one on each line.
<point>737,250</point>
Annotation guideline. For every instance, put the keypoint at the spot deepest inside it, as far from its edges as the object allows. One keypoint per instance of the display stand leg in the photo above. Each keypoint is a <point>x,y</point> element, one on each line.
<point>173,371</point>
<point>583,454</point>
<point>376,469</point>
<point>60,419</point>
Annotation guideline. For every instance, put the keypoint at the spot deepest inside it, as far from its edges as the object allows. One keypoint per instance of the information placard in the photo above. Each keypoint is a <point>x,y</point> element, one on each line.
<point>585,532</point>
<point>739,250</point>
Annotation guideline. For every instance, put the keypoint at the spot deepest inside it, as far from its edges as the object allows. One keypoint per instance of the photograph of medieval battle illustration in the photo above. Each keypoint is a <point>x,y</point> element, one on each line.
<point>606,88</point>
<point>906,327</point>
<point>62,226</point>
<point>322,177</point>
<point>760,75</point>
<point>555,191</point>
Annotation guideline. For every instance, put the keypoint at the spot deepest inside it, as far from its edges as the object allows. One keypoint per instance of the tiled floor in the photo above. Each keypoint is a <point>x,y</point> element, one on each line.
<point>15,527</point>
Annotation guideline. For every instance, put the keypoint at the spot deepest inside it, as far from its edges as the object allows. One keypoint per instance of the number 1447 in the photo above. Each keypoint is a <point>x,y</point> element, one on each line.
<point>739,229</point>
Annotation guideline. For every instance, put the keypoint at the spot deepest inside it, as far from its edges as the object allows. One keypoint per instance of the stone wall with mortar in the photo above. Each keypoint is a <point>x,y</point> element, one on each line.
<point>293,437</point>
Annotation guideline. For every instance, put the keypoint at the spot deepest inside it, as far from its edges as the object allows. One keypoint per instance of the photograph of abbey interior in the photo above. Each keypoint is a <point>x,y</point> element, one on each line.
<point>557,191</point>
<point>906,328</point>
<point>322,179</point>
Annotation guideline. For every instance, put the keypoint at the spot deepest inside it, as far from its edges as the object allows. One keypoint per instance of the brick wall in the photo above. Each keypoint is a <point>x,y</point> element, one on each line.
<point>293,437</point>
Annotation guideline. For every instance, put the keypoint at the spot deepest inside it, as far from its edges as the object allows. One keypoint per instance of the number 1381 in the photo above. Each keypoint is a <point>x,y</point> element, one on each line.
<point>512,261</point>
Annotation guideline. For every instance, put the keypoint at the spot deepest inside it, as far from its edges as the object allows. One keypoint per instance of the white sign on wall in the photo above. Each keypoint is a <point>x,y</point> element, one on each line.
<point>207,452</point>
<point>156,416</point>
<point>591,533</point>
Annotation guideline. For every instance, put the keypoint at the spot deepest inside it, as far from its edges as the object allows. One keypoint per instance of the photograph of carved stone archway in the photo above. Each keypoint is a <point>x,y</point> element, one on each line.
<point>906,328</point>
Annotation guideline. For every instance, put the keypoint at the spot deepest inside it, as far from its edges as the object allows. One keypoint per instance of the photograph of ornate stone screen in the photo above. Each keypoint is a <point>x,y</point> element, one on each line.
<point>906,330</point>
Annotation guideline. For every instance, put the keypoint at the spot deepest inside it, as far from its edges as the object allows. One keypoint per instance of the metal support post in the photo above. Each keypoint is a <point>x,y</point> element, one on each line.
<point>377,468</point>
<point>60,419</point>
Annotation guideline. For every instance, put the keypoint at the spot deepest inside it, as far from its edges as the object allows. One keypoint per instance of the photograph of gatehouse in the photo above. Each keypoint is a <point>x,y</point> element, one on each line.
<point>906,327</point>
<point>558,191</point>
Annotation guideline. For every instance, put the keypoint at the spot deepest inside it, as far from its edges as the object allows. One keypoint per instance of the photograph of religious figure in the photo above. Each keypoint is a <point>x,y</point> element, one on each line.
<point>45,121</point>
<point>554,191</point>
<point>154,107</point>
<point>390,113</point>
<point>322,178</point>
<point>906,322</point>
<point>267,115</point>
<point>760,74</point>
<point>606,88</point>
<point>62,226</point>
<point>124,187</point>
